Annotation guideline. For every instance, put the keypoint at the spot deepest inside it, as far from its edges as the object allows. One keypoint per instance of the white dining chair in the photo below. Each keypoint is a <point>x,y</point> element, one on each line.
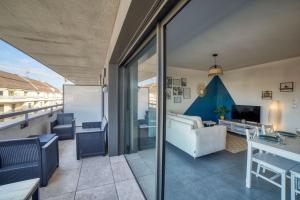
<point>295,182</point>
<point>275,164</point>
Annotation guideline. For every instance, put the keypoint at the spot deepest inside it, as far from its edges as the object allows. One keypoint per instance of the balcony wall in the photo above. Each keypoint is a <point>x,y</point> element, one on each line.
<point>37,125</point>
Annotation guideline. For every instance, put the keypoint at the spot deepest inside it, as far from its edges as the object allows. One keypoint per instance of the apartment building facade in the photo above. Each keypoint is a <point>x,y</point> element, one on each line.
<point>19,93</point>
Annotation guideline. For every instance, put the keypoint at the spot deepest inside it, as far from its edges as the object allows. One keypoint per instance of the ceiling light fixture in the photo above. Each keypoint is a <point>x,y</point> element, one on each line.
<point>215,70</point>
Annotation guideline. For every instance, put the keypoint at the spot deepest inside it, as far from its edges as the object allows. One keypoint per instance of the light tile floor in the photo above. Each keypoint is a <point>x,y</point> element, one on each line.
<point>94,178</point>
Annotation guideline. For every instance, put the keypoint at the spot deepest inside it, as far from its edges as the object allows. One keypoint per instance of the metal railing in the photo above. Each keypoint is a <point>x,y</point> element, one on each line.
<point>27,116</point>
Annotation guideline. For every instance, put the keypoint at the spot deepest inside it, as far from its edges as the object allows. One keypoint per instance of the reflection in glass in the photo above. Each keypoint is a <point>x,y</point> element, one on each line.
<point>140,136</point>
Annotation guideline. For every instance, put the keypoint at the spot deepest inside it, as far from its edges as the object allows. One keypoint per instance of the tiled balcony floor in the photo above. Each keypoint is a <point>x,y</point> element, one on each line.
<point>94,178</point>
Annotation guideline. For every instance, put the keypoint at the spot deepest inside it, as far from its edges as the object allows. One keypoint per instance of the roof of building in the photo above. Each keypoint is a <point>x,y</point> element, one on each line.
<point>14,81</point>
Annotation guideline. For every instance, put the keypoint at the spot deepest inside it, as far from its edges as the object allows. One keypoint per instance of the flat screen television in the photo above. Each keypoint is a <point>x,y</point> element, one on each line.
<point>248,113</point>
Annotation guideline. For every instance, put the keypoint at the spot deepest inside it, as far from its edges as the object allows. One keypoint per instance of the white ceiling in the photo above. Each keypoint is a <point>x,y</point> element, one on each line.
<point>69,36</point>
<point>243,32</point>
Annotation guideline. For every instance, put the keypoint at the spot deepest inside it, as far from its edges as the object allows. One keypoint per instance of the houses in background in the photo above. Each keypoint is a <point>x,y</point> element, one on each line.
<point>20,93</point>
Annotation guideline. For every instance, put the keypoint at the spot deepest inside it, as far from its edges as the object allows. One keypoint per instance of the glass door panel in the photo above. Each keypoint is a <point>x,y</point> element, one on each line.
<point>141,117</point>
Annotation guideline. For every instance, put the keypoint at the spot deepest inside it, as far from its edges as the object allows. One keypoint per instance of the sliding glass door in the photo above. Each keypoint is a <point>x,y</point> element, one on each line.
<point>141,117</point>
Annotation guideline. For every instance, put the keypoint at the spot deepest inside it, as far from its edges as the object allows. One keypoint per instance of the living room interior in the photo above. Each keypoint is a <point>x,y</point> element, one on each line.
<point>231,66</point>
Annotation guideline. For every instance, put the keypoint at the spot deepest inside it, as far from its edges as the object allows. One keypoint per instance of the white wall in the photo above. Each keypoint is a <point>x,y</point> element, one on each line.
<point>194,77</point>
<point>84,101</point>
<point>143,102</point>
<point>246,85</point>
<point>37,126</point>
<point>105,104</point>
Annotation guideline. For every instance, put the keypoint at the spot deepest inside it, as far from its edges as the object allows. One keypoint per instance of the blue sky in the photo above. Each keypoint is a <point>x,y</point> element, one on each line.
<point>14,61</point>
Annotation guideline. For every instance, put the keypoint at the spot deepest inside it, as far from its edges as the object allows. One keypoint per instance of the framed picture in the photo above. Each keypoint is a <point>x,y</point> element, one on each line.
<point>177,99</point>
<point>169,94</point>
<point>176,82</point>
<point>267,95</point>
<point>169,82</point>
<point>287,87</point>
<point>183,82</point>
<point>177,91</point>
<point>186,93</point>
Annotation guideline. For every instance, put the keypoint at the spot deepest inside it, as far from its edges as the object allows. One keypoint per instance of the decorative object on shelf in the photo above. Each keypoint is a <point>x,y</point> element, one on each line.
<point>187,93</point>
<point>221,111</point>
<point>274,117</point>
<point>183,82</point>
<point>176,82</point>
<point>287,87</point>
<point>201,89</point>
<point>267,95</point>
<point>169,82</point>
<point>177,99</point>
<point>215,70</point>
<point>177,91</point>
<point>169,93</point>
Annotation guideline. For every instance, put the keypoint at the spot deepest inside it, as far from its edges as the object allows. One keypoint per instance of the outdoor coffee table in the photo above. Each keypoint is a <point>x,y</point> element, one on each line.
<point>22,190</point>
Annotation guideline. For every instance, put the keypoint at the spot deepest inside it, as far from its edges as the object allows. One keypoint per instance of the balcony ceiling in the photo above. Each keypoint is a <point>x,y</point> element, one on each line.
<point>69,36</point>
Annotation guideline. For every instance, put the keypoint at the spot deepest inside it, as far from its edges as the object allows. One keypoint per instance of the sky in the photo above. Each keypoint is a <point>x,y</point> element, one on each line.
<point>14,61</point>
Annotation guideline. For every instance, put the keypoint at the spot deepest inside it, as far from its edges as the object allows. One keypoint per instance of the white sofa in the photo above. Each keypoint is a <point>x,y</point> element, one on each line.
<point>188,134</point>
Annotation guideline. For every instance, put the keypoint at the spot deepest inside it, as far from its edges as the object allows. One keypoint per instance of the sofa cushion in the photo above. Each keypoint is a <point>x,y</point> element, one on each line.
<point>195,124</point>
<point>198,121</point>
<point>171,113</point>
<point>62,126</point>
<point>183,120</point>
<point>0,162</point>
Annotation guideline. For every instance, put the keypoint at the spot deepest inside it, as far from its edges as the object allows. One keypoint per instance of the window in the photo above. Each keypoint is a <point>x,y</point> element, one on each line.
<point>13,107</point>
<point>11,93</point>
<point>1,108</point>
<point>1,93</point>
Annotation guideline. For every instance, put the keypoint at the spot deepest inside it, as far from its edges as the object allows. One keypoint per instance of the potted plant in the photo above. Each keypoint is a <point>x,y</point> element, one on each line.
<point>221,111</point>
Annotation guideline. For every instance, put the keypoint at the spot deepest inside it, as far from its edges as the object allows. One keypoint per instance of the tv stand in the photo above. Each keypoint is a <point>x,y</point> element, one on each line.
<point>239,127</point>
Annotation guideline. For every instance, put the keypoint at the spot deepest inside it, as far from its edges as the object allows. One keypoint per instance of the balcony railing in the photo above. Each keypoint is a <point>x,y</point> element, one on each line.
<point>22,117</point>
<point>28,98</point>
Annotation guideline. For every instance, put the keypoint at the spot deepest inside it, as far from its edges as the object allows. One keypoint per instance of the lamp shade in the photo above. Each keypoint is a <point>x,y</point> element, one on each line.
<point>215,70</point>
<point>275,115</point>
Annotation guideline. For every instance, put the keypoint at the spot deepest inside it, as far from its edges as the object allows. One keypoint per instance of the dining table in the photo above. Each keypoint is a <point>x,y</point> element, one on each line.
<point>288,148</point>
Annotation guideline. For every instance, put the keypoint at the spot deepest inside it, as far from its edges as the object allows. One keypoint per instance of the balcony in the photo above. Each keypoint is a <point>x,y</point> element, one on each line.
<point>90,178</point>
<point>99,177</point>
<point>27,98</point>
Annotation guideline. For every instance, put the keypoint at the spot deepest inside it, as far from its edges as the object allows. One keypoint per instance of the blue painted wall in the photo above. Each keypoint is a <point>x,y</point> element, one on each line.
<point>216,95</point>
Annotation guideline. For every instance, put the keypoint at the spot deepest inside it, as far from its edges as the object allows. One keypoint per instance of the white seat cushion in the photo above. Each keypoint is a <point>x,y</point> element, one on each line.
<point>296,170</point>
<point>198,121</point>
<point>195,119</point>
<point>276,161</point>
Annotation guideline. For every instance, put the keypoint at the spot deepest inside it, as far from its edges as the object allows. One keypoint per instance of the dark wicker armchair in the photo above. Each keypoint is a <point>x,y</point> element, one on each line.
<point>20,160</point>
<point>91,139</point>
<point>91,124</point>
<point>64,126</point>
<point>50,159</point>
<point>28,158</point>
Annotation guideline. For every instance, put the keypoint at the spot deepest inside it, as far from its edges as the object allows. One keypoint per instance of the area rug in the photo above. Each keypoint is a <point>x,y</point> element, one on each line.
<point>235,144</point>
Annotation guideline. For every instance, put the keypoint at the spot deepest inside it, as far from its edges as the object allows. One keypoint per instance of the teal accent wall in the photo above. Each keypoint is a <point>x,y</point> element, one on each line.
<point>216,95</point>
